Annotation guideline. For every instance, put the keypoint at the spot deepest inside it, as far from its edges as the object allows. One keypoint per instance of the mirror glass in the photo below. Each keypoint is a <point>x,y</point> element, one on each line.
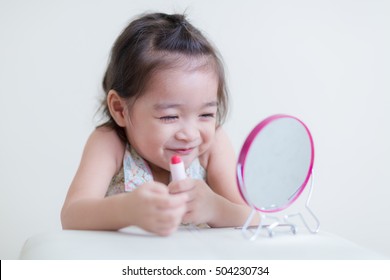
<point>275,163</point>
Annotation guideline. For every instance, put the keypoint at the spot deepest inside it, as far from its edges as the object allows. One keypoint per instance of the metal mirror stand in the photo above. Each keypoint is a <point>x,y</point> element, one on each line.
<point>247,230</point>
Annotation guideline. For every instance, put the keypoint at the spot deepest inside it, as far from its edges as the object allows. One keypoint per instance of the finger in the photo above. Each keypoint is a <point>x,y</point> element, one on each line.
<point>165,231</point>
<point>169,220</point>
<point>156,187</point>
<point>171,217</point>
<point>181,186</point>
<point>174,187</point>
<point>171,201</point>
<point>187,218</point>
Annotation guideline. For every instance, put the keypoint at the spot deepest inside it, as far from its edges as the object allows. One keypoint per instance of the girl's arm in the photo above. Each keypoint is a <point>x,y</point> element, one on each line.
<point>230,208</point>
<point>86,207</point>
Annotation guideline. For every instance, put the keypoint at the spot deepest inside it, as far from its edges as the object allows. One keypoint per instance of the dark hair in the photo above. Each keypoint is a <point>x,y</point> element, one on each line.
<point>154,42</point>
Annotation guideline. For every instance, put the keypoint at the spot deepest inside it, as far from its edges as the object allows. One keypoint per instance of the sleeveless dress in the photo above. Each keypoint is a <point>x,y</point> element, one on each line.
<point>135,172</point>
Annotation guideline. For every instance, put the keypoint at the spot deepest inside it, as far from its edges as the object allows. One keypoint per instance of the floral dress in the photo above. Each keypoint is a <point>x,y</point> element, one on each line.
<point>136,172</point>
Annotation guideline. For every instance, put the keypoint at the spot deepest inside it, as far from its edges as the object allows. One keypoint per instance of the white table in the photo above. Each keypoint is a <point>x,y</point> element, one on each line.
<point>187,243</point>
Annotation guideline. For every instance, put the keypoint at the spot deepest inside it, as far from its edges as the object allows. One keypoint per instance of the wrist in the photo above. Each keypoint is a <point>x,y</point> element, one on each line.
<point>123,209</point>
<point>218,211</point>
<point>229,214</point>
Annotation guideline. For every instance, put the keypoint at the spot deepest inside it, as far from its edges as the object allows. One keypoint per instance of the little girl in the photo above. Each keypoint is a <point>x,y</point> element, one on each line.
<point>165,95</point>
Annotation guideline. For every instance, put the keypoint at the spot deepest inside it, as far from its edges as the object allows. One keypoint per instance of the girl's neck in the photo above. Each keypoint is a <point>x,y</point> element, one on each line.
<point>159,174</point>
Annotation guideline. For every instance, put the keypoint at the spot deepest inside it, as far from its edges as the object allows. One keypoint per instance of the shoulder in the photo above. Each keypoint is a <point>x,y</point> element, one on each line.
<point>221,167</point>
<point>101,160</point>
<point>220,145</point>
<point>104,143</point>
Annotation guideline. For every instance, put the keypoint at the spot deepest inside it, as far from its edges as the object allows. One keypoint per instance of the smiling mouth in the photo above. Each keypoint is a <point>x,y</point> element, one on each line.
<point>186,151</point>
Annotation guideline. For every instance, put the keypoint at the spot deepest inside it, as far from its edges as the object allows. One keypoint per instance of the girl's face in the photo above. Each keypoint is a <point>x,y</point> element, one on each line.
<point>175,116</point>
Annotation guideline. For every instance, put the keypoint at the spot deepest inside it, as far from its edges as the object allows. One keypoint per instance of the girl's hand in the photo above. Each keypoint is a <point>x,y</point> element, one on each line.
<point>201,204</point>
<point>156,210</point>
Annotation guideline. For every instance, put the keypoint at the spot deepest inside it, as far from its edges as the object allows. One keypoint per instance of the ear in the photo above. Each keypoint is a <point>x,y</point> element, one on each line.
<point>117,105</point>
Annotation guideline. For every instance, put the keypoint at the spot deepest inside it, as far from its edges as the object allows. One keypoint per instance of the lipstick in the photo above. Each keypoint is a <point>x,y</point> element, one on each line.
<point>177,168</point>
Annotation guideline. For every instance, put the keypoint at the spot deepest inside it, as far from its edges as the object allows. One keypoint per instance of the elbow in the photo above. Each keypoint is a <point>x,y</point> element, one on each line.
<point>65,220</point>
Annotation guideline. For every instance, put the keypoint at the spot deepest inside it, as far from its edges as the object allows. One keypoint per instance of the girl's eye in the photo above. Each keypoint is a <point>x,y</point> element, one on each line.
<point>208,116</point>
<point>169,118</point>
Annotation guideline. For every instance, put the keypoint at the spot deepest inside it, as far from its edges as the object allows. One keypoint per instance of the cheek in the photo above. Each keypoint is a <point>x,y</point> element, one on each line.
<point>157,136</point>
<point>210,130</point>
<point>208,135</point>
<point>143,135</point>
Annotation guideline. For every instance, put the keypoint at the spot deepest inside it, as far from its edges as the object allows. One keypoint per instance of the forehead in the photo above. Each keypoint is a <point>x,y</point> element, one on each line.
<point>178,83</point>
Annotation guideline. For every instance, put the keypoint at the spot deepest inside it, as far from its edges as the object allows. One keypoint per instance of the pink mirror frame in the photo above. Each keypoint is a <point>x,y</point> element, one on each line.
<point>240,176</point>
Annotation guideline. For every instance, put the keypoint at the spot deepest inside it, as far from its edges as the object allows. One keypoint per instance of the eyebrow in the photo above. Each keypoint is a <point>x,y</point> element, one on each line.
<point>165,106</point>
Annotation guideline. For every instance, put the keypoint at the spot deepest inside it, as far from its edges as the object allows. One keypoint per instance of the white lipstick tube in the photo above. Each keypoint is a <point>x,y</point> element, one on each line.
<point>178,171</point>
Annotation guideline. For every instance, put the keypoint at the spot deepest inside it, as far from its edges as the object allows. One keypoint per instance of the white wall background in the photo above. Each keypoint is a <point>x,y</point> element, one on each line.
<point>326,62</point>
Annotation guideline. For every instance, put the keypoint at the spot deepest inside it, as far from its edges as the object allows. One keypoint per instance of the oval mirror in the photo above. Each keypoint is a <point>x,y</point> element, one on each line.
<point>275,163</point>
<point>274,166</point>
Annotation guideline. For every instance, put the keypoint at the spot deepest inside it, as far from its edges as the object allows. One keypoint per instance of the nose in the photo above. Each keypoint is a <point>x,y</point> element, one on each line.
<point>188,133</point>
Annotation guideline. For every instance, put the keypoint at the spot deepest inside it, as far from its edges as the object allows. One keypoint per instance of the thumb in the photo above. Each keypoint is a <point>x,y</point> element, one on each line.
<point>181,186</point>
<point>156,187</point>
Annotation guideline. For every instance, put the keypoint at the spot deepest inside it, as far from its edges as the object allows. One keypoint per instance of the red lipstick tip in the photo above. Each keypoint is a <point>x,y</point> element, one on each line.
<point>175,159</point>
